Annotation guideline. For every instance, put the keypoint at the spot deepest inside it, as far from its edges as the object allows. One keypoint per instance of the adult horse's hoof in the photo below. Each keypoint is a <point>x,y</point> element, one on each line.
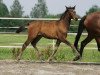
<point>77,58</point>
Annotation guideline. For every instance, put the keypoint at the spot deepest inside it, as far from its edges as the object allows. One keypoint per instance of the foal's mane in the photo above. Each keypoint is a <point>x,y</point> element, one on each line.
<point>64,14</point>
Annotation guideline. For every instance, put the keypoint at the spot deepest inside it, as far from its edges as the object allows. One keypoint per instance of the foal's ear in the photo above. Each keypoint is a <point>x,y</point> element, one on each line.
<point>74,7</point>
<point>66,7</point>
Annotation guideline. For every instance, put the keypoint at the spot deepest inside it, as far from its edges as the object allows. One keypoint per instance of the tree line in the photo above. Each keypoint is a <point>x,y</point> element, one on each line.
<point>40,10</point>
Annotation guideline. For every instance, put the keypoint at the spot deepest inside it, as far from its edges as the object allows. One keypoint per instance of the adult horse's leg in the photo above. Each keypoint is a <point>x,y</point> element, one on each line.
<point>80,30</point>
<point>84,43</point>
<point>34,42</point>
<point>98,43</point>
<point>55,50</point>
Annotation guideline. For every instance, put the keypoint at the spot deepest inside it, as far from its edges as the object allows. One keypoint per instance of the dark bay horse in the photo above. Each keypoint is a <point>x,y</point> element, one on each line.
<point>91,23</point>
<point>52,30</point>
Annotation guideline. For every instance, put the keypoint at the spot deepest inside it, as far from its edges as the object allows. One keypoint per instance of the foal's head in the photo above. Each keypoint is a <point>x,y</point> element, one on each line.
<point>71,12</point>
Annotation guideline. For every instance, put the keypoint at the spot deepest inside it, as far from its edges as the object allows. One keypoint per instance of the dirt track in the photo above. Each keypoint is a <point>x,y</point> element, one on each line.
<point>31,68</point>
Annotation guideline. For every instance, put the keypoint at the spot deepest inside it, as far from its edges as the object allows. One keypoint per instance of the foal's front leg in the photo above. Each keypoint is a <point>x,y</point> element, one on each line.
<point>73,48</point>
<point>55,50</point>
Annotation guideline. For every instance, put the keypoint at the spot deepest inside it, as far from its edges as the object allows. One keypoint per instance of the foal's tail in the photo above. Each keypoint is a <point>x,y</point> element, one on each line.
<point>80,30</point>
<point>20,29</point>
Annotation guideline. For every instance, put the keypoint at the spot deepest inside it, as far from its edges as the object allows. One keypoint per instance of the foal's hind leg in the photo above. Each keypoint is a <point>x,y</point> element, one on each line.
<point>34,42</point>
<point>23,48</point>
<point>56,48</point>
<point>28,41</point>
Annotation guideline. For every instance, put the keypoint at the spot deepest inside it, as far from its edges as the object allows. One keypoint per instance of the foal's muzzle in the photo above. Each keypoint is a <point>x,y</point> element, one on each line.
<point>76,19</point>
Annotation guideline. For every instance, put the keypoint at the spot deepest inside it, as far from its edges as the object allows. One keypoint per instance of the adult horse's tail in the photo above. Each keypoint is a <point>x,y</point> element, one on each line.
<point>80,30</point>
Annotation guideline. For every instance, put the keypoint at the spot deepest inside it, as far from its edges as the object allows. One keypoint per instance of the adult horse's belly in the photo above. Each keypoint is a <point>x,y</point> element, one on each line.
<point>93,31</point>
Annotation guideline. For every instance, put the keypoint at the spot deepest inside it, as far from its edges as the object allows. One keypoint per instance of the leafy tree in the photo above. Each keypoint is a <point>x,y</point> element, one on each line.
<point>16,9</point>
<point>3,13</point>
<point>40,9</point>
<point>17,12</point>
<point>3,9</point>
<point>93,9</point>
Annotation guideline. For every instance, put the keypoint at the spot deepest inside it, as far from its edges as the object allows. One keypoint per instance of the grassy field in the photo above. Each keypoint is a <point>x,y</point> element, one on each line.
<point>64,52</point>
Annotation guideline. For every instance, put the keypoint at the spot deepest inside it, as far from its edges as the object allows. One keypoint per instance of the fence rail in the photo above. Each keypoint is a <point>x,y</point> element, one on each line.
<point>5,18</point>
<point>53,42</point>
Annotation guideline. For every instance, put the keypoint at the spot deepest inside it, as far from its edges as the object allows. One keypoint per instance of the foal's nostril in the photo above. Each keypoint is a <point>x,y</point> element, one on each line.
<point>75,18</point>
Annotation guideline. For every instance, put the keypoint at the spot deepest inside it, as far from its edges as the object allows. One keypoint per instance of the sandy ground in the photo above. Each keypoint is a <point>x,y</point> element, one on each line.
<point>31,68</point>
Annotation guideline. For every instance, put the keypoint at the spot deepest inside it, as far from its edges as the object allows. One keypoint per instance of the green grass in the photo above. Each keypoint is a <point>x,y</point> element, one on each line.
<point>10,39</point>
<point>64,52</point>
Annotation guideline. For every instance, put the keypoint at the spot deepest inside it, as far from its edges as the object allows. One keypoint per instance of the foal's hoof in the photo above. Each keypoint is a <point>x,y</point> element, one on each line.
<point>76,58</point>
<point>49,60</point>
<point>18,59</point>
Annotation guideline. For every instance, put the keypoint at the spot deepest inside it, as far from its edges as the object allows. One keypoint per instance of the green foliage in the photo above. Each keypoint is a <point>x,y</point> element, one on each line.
<point>3,9</point>
<point>40,9</point>
<point>17,12</point>
<point>3,13</point>
<point>53,16</point>
<point>74,27</point>
<point>16,9</point>
<point>93,9</point>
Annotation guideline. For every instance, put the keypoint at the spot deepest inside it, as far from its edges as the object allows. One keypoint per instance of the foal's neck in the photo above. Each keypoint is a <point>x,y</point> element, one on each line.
<point>66,19</point>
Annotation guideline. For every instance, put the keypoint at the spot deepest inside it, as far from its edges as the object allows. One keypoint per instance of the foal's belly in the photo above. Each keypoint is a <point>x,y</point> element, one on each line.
<point>49,36</point>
